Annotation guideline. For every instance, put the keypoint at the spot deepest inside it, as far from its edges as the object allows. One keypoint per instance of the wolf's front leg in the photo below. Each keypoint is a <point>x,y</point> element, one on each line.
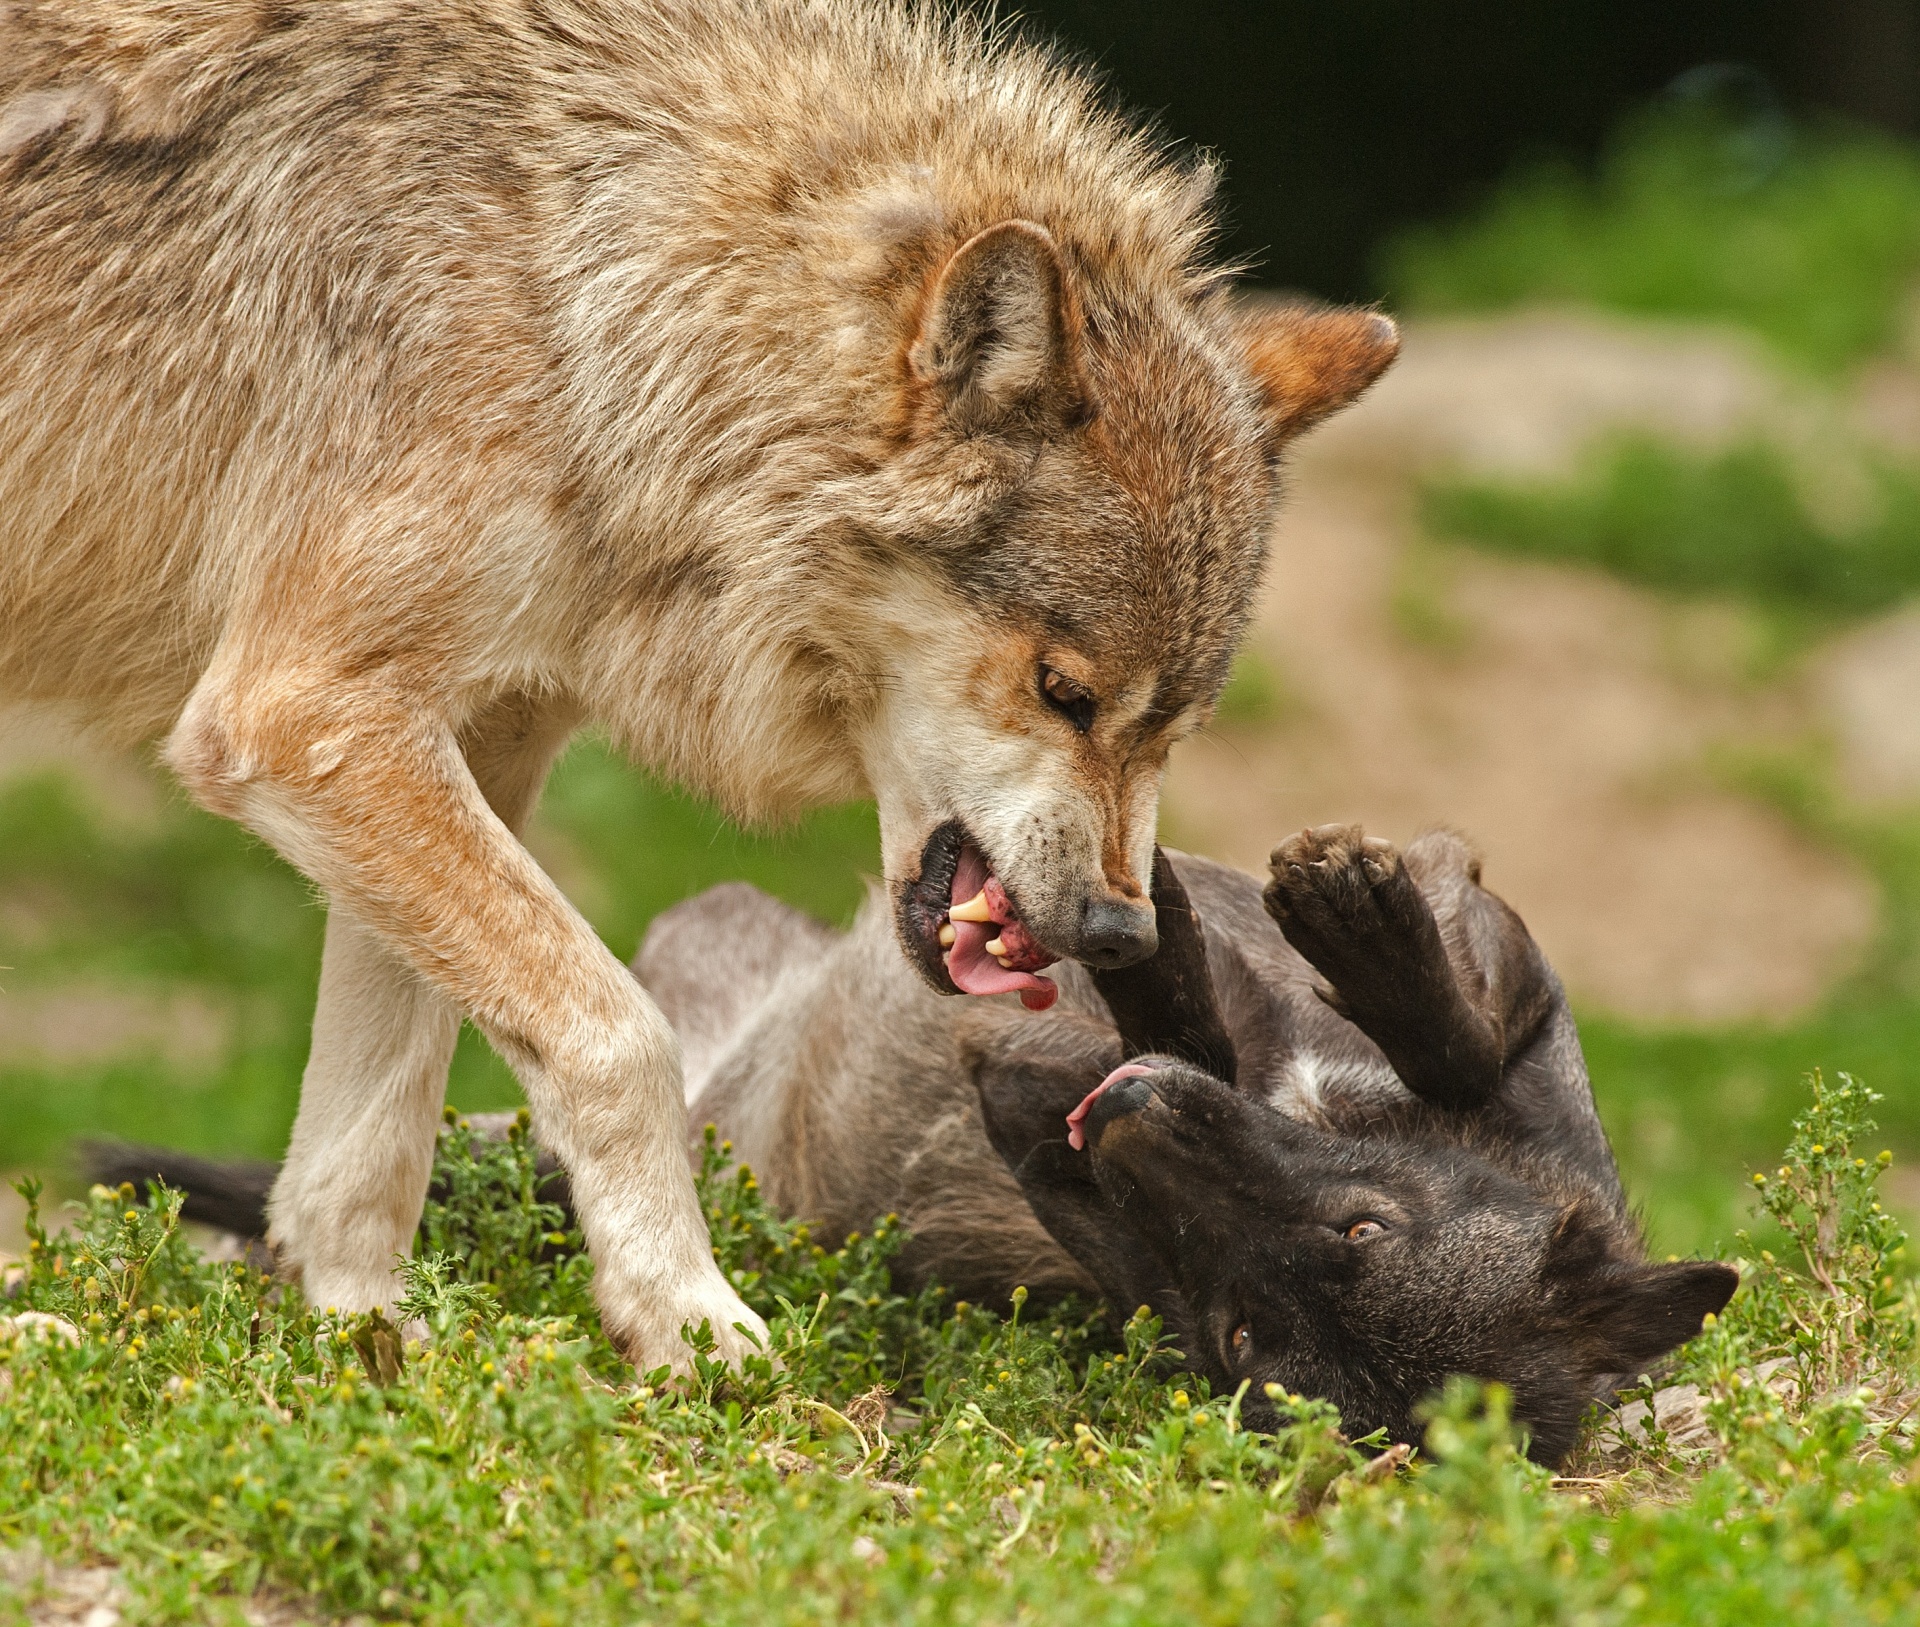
<point>349,1195</point>
<point>369,794</point>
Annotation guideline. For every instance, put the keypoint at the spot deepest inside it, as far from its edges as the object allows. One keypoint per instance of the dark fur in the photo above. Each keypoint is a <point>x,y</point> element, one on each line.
<point>1377,1038</point>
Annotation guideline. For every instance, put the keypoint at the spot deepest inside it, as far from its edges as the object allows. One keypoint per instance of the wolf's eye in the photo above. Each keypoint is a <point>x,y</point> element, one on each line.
<point>1368,1227</point>
<point>1072,701</point>
<point>1241,1338</point>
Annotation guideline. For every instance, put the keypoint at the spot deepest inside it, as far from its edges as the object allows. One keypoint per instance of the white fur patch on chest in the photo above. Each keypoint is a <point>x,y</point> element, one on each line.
<point>1309,1084</point>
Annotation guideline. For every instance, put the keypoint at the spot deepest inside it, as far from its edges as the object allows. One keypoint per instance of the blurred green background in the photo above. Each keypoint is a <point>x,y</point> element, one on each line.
<point>1450,161</point>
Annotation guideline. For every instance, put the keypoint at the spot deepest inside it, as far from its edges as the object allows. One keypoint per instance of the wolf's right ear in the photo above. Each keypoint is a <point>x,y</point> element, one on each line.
<point>1312,360</point>
<point>1628,1316</point>
<point>999,340</point>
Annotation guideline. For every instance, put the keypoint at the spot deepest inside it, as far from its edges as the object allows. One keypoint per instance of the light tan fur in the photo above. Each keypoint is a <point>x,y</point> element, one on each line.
<point>389,386</point>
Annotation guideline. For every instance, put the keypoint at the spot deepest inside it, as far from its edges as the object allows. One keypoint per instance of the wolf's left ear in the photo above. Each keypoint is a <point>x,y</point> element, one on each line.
<point>998,346</point>
<point>1310,361</point>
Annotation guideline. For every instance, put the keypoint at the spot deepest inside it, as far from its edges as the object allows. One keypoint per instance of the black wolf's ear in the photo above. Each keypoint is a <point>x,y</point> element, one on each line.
<point>1638,1315</point>
<point>998,346</point>
<point>1310,361</point>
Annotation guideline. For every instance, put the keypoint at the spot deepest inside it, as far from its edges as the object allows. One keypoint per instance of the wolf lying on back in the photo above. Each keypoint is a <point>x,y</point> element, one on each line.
<point>1344,1144</point>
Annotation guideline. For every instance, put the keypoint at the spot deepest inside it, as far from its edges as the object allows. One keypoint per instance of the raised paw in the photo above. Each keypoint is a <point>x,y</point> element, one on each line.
<point>1340,890</point>
<point>1349,905</point>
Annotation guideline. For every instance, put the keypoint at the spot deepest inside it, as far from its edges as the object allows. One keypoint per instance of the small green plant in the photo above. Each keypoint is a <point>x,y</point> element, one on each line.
<point>838,1325</point>
<point>1730,524</point>
<point>1817,251</point>
<point>486,1213</point>
<point>1840,1306</point>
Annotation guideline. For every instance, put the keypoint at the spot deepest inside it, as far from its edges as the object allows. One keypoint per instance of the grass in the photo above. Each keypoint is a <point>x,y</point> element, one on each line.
<point>910,1459</point>
<point>1732,524</point>
<point>211,1437</point>
<point>1816,250</point>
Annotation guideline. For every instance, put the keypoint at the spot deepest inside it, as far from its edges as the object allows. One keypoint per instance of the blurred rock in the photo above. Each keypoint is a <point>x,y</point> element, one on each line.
<point>1677,1412</point>
<point>34,739</point>
<point>82,1023</point>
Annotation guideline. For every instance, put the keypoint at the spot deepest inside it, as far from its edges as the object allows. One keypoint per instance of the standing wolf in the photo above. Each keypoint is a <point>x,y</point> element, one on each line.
<point>826,397</point>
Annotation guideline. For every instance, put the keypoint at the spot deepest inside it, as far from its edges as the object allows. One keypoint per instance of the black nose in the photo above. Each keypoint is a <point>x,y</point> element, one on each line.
<point>1114,933</point>
<point>1117,1101</point>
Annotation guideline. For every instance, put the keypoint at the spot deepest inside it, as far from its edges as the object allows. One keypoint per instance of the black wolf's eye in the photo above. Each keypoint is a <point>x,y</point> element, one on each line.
<point>1071,700</point>
<point>1241,1339</point>
<point>1368,1227</point>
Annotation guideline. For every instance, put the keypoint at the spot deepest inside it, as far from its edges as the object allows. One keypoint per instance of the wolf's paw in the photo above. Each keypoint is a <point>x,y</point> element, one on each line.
<point>650,1334</point>
<point>1345,901</point>
<point>1328,880</point>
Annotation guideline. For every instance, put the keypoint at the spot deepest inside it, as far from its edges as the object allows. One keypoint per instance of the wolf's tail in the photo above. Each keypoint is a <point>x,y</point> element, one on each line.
<point>231,1197</point>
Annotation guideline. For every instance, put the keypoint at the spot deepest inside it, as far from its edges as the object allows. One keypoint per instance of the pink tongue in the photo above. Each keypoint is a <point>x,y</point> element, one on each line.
<point>972,969</point>
<point>1077,1119</point>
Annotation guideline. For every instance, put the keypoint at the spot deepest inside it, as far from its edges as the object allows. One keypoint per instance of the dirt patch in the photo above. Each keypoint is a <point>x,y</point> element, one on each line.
<point>1868,682</point>
<point>95,1596</point>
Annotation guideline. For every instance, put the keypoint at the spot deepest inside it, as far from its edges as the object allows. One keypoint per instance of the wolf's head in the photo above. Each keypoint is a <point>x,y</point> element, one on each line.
<point>1079,484</point>
<point>1368,1271</point>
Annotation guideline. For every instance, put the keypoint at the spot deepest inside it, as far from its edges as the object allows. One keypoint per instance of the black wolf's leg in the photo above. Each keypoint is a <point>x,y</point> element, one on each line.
<point>1447,1016</point>
<point>1166,1003</point>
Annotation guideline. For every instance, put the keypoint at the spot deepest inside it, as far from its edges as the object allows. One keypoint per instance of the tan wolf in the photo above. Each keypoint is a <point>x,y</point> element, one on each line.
<point>826,397</point>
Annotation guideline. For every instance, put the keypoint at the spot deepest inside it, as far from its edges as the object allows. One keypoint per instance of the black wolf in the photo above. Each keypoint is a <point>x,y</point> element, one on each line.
<point>1339,1136</point>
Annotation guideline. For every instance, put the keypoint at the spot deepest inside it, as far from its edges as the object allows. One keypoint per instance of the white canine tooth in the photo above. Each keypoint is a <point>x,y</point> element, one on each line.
<point>1006,965</point>
<point>947,934</point>
<point>975,909</point>
<point>997,948</point>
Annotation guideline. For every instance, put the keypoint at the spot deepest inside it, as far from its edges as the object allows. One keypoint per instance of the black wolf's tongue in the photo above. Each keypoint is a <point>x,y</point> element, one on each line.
<point>972,969</point>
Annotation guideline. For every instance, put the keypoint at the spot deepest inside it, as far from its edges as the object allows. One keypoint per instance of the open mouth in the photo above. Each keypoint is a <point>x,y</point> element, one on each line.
<point>969,932</point>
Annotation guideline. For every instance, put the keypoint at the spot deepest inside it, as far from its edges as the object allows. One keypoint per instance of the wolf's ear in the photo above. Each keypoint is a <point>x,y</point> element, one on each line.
<point>998,346</point>
<point>1310,361</point>
<point>1638,1315</point>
